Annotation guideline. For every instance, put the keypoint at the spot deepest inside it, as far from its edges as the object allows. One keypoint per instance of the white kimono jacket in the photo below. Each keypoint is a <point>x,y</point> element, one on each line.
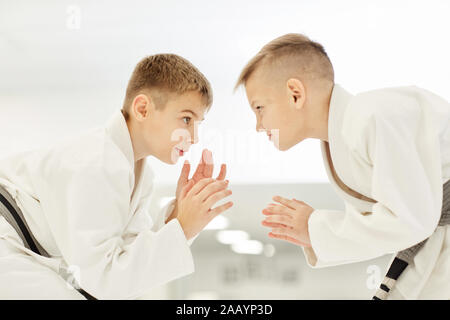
<point>83,205</point>
<point>392,146</point>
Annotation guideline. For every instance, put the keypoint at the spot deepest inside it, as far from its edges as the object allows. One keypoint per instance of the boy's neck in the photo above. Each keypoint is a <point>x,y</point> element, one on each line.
<point>326,114</point>
<point>138,147</point>
<point>319,129</point>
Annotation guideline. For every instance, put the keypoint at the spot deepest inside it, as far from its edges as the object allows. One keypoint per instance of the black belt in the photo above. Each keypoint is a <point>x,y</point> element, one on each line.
<point>28,239</point>
<point>406,257</point>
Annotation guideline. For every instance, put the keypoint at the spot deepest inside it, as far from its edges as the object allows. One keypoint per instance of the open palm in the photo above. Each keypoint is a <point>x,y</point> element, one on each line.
<point>204,170</point>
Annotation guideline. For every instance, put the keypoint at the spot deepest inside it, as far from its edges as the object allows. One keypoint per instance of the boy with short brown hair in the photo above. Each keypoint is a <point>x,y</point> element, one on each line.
<point>81,207</point>
<point>386,152</point>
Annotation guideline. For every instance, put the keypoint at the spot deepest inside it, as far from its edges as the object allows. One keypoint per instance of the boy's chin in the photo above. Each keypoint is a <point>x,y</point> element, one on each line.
<point>287,146</point>
<point>282,146</point>
<point>173,158</point>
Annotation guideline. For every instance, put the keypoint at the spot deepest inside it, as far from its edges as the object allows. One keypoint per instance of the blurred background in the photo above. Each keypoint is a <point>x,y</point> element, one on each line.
<point>64,67</point>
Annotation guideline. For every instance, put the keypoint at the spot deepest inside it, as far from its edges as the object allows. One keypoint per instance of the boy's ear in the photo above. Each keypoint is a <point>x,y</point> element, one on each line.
<point>142,106</point>
<point>296,92</point>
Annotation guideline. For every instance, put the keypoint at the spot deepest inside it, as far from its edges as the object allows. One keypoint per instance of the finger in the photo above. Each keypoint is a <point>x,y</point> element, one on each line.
<point>212,188</point>
<point>286,231</point>
<point>267,212</point>
<point>273,225</point>
<point>198,174</point>
<point>212,199</point>
<point>289,239</point>
<point>288,203</point>
<point>286,238</point>
<point>281,219</point>
<point>187,188</point>
<point>223,172</point>
<point>278,210</point>
<point>198,187</point>
<point>184,173</point>
<point>209,164</point>
<point>218,210</point>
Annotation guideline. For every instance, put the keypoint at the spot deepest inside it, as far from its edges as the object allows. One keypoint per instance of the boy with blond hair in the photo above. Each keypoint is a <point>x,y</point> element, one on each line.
<point>386,153</point>
<point>79,210</point>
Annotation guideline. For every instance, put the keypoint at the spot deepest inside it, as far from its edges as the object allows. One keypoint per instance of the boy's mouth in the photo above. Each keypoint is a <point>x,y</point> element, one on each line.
<point>180,152</point>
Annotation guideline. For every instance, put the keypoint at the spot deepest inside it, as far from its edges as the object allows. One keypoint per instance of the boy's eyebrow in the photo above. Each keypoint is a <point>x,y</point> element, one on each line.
<point>195,115</point>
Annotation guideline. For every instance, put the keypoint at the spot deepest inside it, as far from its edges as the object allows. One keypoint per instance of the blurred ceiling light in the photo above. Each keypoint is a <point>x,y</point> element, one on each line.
<point>218,223</point>
<point>248,247</point>
<point>231,236</point>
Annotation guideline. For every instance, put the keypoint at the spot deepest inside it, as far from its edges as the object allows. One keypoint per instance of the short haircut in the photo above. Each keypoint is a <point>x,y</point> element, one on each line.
<point>168,74</point>
<point>295,51</point>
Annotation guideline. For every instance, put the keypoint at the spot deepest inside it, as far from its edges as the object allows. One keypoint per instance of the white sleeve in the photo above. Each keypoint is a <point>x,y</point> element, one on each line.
<point>406,184</point>
<point>87,212</point>
<point>163,214</point>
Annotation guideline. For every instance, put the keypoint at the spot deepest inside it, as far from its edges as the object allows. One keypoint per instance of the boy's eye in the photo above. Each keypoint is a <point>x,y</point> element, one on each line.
<point>258,108</point>
<point>187,120</point>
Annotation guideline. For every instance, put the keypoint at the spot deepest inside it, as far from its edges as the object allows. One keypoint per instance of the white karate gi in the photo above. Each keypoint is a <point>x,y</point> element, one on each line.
<point>392,146</point>
<point>83,205</point>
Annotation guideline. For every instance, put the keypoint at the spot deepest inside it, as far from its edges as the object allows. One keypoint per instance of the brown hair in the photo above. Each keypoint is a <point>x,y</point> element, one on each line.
<point>308,55</point>
<point>168,73</point>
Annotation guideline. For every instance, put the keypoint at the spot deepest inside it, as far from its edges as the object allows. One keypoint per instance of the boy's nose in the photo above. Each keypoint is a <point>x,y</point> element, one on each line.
<point>194,135</point>
<point>194,140</point>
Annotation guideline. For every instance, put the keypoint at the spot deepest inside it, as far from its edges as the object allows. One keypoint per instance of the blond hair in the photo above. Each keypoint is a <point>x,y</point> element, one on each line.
<point>294,51</point>
<point>167,73</point>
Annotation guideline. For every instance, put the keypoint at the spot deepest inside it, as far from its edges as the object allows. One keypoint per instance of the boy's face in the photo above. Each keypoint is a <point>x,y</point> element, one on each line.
<point>168,132</point>
<point>276,110</point>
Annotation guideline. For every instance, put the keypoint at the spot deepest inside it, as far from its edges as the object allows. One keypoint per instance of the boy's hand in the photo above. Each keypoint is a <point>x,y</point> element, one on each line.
<point>288,220</point>
<point>195,203</point>
<point>204,170</point>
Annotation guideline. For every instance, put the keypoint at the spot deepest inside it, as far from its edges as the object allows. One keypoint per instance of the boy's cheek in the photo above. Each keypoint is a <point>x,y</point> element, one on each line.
<point>164,149</point>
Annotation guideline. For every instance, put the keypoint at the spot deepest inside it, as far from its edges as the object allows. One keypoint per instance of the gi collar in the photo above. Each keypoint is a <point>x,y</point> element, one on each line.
<point>118,131</point>
<point>340,98</point>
